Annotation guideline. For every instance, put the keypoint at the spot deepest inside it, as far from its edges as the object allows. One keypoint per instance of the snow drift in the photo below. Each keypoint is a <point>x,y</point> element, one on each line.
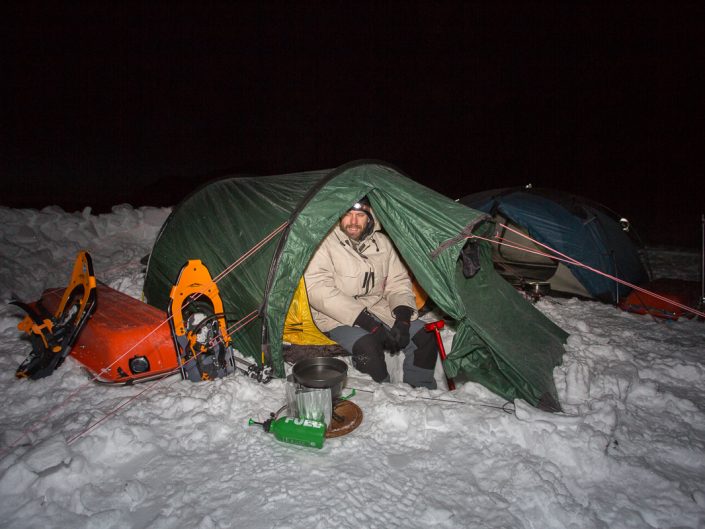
<point>628,451</point>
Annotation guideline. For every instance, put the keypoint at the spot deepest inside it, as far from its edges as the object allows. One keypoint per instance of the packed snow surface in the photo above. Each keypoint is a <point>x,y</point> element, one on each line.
<point>628,451</point>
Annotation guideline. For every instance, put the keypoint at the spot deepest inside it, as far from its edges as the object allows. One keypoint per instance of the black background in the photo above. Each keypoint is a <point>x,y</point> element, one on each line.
<point>143,103</point>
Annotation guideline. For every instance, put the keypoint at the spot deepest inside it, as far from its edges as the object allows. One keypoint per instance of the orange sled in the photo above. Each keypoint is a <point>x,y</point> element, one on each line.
<point>678,290</point>
<point>124,341</point>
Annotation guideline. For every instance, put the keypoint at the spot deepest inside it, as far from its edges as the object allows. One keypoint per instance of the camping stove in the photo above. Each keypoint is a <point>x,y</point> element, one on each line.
<point>535,290</point>
<point>320,380</point>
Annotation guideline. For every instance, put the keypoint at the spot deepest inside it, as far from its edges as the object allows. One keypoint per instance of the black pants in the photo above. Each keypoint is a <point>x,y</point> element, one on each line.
<point>368,355</point>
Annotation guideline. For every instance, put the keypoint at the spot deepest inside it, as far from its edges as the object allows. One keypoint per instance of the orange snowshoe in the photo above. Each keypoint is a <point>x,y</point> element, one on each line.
<point>53,336</point>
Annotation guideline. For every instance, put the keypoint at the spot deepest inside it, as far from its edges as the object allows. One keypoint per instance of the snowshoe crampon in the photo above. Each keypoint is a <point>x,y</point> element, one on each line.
<point>200,330</point>
<point>52,336</point>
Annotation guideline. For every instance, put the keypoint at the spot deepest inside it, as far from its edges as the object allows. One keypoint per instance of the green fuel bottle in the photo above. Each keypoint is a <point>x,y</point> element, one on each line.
<point>303,432</point>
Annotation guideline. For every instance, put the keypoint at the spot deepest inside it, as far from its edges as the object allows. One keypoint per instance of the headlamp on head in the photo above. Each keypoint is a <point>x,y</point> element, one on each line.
<point>361,205</point>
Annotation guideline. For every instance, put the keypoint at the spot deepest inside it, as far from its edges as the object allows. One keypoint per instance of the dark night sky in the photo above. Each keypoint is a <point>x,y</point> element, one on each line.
<point>142,103</point>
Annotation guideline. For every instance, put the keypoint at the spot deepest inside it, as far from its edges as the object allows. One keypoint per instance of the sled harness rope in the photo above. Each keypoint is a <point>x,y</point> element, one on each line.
<point>246,320</point>
<point>236,327</point>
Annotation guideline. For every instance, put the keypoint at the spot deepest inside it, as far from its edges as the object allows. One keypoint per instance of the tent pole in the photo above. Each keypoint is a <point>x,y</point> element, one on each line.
<point>702,261</point>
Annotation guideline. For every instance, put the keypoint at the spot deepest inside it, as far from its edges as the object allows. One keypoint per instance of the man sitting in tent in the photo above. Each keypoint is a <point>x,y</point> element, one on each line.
<point>361,296</point>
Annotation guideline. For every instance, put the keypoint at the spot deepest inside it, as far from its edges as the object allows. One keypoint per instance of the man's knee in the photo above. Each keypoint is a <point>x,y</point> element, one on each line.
<point>426,349</point>
<point>368,357</point>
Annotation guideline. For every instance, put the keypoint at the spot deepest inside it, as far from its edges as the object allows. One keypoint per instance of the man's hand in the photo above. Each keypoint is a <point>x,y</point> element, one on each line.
<point>400,329</point>
<point>377,329</point>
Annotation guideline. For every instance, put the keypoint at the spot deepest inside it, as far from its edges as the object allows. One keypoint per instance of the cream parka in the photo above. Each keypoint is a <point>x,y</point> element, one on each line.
<point>344,278</point>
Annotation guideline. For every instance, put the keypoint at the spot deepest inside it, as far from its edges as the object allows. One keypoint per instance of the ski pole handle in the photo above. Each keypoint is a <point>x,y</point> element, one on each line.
<point>435,327</point>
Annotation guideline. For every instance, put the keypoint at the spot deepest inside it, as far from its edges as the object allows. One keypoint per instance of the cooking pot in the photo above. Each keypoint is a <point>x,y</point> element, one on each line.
<point>321,372</point>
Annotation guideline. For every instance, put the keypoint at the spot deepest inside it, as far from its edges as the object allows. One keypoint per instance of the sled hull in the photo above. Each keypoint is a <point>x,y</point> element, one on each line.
<point>124,341</point>
<point>680,291</point>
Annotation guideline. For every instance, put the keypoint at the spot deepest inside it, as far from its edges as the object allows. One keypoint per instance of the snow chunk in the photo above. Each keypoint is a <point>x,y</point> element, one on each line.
<point>17,479</point>
<point>48,454</point>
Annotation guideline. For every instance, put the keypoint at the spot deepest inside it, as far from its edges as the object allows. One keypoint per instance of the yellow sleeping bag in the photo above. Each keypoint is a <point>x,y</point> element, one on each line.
<point>299,328</point>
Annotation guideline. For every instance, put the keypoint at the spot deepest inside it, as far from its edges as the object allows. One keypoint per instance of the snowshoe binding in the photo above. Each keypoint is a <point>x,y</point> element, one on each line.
<point>200,331</point>
<point>53,336</point>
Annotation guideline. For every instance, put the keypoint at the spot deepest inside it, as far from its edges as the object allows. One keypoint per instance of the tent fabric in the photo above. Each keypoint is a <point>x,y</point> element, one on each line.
<point>501,340</point>
<point>575,227</point>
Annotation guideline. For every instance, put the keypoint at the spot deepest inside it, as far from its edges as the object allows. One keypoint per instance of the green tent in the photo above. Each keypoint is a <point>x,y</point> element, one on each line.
<point>501,340</point>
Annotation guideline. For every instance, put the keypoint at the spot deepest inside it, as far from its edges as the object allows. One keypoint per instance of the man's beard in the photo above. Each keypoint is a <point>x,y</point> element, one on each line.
<point>357,235</point>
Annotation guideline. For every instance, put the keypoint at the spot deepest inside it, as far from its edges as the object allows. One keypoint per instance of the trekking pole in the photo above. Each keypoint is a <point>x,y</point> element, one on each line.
<point>436,327</point>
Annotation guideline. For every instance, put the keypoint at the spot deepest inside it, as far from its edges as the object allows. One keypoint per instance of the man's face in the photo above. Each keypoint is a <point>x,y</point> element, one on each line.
<point>353,224</point>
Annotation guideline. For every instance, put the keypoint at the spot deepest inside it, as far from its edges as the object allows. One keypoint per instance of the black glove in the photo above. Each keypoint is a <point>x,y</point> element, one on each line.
<point>377,329</point>
<point>400,329</point>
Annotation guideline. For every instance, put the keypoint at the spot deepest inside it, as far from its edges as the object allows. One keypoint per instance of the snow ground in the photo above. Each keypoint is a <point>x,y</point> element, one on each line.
<point>627,452</point>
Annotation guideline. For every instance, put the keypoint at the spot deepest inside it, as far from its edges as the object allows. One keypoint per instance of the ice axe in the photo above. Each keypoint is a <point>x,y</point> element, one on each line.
<point>436,327</point>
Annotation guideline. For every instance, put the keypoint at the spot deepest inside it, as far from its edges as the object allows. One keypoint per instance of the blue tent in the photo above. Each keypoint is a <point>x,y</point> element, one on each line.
<point>572,225</point>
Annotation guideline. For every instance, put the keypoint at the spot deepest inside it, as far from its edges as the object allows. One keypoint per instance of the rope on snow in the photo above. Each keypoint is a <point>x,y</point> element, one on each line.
<point>37,423</point>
